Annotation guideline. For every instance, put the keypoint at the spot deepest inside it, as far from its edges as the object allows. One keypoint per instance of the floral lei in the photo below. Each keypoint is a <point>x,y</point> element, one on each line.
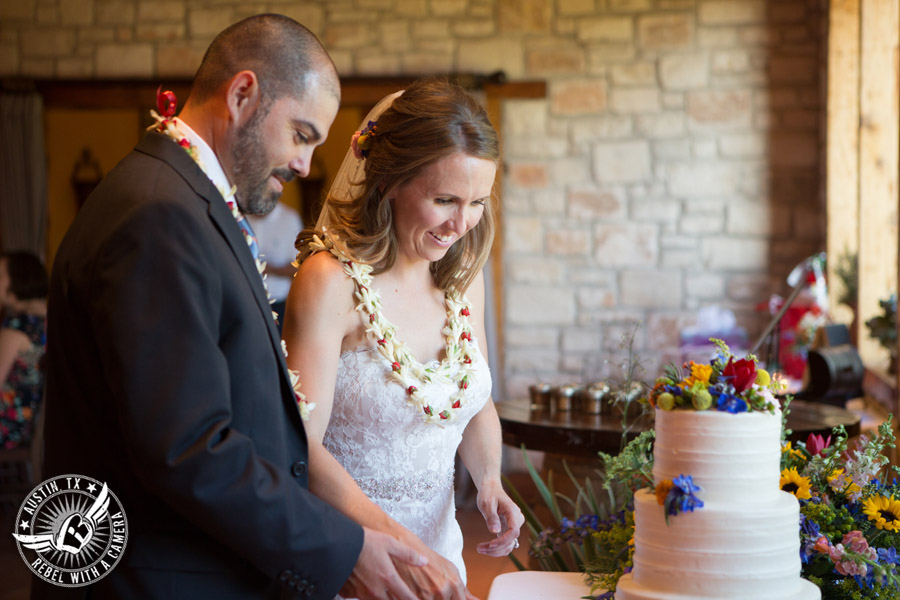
<point>165,124</point>
<point>405,370</point>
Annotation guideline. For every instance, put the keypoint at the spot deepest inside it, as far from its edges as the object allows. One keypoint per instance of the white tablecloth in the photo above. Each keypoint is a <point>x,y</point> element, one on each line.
<point>538,585</point>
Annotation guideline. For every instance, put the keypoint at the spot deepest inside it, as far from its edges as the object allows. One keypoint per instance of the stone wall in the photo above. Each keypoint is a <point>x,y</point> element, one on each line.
<point>675,163</point>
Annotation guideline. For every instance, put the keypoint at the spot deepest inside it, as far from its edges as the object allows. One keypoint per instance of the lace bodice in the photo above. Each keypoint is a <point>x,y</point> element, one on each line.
<point>403,464</point>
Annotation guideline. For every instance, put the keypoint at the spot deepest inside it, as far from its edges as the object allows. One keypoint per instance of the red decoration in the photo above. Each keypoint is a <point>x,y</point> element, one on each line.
<point>741,373</point>
<point>166,103</point>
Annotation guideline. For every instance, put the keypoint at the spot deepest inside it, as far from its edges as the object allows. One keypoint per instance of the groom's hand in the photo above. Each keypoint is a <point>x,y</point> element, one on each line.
<point>439,579</point>
<point>375,575</point>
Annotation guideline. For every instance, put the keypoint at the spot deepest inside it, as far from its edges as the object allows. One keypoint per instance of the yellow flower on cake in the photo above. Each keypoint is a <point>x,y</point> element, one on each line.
<point>662,490</point>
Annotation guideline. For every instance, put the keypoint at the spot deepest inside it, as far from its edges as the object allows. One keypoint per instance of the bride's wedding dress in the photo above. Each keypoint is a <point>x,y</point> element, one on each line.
<point>403,464</point>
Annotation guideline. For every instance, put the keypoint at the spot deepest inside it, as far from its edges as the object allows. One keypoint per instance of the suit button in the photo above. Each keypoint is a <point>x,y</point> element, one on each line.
<point>298,468</point>
<point>295,582</point>
<point>285,575</point>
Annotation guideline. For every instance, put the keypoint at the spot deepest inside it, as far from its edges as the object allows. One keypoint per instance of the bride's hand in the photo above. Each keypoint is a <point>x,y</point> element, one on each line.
<point>499,511</point>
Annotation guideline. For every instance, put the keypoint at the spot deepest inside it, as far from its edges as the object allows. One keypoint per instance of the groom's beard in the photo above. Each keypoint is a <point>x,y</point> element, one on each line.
<point>251,172</point>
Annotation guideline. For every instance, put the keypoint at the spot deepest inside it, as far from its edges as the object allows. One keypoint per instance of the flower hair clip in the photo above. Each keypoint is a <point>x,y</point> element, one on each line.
<point>362,140</point>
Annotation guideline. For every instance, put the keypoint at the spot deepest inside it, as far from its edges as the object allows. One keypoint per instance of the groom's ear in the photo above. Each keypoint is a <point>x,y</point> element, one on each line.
<point>242,96</point>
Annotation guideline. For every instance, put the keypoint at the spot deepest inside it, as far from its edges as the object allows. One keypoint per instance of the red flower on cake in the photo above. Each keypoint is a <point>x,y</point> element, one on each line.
<point>740,373</point>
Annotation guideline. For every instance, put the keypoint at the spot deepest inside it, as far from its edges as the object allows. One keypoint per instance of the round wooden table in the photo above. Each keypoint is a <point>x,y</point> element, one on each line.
<point>580,435</point>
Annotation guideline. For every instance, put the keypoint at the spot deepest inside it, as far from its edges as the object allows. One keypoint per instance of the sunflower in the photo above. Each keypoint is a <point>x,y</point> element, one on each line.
<point>794,483</point>
<point>884,510</point>
<point>662,490</point>
<point>795,452</point>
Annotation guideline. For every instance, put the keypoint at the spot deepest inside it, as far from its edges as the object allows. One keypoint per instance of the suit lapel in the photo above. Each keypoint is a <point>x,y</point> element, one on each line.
<point>161,147</point>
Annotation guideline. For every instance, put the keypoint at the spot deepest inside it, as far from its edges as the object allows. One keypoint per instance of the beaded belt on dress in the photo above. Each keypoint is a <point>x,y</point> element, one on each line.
<point>395,489</point>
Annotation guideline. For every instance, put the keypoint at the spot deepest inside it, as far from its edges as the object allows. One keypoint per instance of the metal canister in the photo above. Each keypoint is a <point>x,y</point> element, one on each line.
<point>540,396</point>
<point>564,397</point>
<point>597,399</point>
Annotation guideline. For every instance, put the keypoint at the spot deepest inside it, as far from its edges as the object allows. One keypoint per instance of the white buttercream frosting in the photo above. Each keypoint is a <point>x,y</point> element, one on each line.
<point>744,543</point>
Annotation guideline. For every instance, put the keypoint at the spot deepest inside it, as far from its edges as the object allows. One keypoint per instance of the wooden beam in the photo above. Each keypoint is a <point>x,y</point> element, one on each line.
<point>842,134</point>
<point>879,160</point>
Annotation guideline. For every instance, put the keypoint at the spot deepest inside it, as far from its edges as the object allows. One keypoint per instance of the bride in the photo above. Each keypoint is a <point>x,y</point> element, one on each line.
<point>385,327</point>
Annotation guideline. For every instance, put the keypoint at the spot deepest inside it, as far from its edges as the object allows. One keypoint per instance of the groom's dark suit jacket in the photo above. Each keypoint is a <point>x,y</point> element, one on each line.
<point>166,380</point>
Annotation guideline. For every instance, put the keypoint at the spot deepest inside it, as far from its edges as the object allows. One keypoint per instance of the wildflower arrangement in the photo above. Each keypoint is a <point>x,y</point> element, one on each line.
<point>849,513</point>
<point>725,384</point>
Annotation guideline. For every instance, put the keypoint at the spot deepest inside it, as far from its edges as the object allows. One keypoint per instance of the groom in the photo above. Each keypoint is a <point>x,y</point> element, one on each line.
<point>166,378</point>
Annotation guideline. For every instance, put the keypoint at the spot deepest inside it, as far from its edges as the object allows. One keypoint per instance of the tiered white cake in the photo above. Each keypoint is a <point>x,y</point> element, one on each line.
<point>745,541</point>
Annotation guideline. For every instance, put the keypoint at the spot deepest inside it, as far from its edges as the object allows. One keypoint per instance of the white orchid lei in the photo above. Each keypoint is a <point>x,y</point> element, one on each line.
<point>405,369</point>
<point>165,125</point>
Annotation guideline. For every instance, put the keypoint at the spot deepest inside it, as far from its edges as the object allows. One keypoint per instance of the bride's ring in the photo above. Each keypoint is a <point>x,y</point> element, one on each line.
<point>516,543</point>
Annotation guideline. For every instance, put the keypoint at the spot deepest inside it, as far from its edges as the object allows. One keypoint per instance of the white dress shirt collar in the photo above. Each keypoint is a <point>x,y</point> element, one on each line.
<point>209,159</point>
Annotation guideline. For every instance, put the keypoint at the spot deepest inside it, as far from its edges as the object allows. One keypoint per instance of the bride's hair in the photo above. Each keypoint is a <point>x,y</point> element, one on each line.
<point>432,119</point>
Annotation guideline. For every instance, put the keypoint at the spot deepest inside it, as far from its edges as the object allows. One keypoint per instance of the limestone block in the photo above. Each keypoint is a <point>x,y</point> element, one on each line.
<point>125,60</point>
<point>527,175</point>
<point>607,53</point>
<point>47,42</point>
<point>9,59</point>
<point>71,67</point>
<point>431,28</point>
<point>580,340</point>
<point>626,244</point>
<point>550,202</point>
<point>743,145</point>
<point>680,258</point>
<point>169,10</point>
<point>494,54</point>
<point>758,217</point>
<point>751,287</point>
<point>16,10</point>
<point>532,337</point>
<point>664,328</point>
<point>663,125</point>
<point>537,305</point>
<point>423,63</point>
<point>639,73</point>
<point>665,31</point>
<point>483,9</point>
<point>570,170</point>
<point>524,16</point>
<point>522,234</point>
<point>412,8</point>
<point>564,27</point>
<point>630,5</point>
<point>530,146</point>
<point>788,149</point>
<point>532,360</point>
<point>114,12</point>
<point>308,14</point>
<point>572,364</point>
<point>717,37</point>
<point>525,118</point>
<point>575,7</point>
<point>567,242</point>
<point>707,286</point>
<point>92,35</point>
<point>447,7</point>
<point>605,29</point>
<point>377,64</point>
<point>694,179</point>
<point>671,149</point>
<point>650,289</point>
<point>757,35</point>
<point>737,253</point>
<point>558,60</point>
<point>208,22</point>
<point>594,204</point>
<point>76,12</point>
<point>544,271</point>
<point>622,162</point>
<point>474,27</point>
<point>343,61</point>
<point>662,210</point>
<point>578,97</point>
<point>124,33</point>
<point>672,100</point>
<point>634,100</point>
<point>394,35</point>
<point>435,46</point>
<point>375,4</point>
<point>732,12</point>
<point>605,278</point>
<point>684,71</point>
<point>348,35</point>
<point>700,224</point>
<point>37,67</point>
<point>704,148</point>
<point>794,70</point>
<point>719,109</point>
<point>151,32</point>
<point>47,15</point>
<point>179,59</point>
<point>604,127</point>
<point>594,298</point>
<point>675,4</point>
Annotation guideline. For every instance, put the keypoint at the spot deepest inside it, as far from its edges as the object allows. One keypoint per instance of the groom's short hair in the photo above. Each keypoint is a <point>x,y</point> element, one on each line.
<point>280,51</point>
